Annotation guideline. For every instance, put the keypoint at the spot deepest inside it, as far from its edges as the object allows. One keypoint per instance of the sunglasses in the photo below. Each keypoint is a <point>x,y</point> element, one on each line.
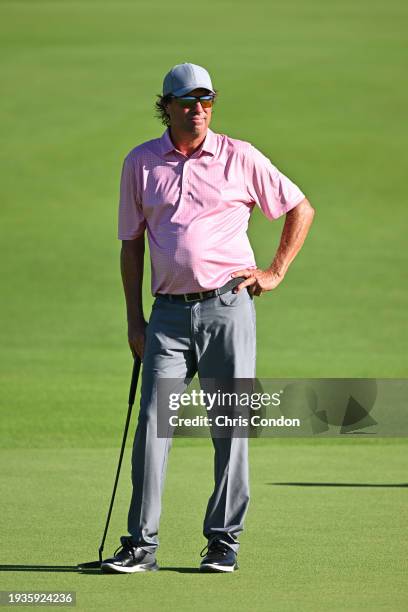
<point>191,101</point>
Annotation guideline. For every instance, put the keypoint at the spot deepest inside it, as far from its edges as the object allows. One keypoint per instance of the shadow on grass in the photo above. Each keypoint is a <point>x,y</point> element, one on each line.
<point>38,568</point>
<point>96,571</point>
<point>337,484</point>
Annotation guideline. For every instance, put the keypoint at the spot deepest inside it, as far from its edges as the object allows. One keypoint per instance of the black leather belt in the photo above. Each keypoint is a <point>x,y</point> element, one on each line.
<point>202,295</point>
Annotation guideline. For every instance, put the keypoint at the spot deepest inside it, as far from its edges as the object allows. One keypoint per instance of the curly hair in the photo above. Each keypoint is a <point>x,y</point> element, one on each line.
<point>160,107</point>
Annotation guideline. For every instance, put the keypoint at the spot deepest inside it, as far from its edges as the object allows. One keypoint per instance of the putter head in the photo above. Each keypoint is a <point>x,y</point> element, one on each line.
<point>89,565</point>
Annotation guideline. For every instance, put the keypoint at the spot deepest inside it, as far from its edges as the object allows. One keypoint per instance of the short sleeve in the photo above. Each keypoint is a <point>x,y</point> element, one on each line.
<point>274,192</point>
<point>131,223</point>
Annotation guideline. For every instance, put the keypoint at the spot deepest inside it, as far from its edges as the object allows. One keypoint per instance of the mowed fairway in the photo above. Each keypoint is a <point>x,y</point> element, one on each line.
<point>321,89</point>
<point>325,530</point>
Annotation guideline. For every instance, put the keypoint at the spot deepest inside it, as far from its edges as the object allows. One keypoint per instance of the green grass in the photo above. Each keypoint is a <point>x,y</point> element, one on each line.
<point>305,547</point>
<point>320,88</point>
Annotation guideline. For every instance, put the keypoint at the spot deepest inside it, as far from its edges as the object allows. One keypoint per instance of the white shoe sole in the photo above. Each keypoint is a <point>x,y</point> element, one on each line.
<point>111,567</point>
<point>213,567</point>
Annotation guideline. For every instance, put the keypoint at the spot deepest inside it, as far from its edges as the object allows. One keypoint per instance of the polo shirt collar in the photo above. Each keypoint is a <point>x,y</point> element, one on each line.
<point>209,145</point>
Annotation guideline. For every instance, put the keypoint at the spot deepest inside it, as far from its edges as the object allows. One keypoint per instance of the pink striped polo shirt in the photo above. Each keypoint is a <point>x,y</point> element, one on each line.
<point>196,209</point>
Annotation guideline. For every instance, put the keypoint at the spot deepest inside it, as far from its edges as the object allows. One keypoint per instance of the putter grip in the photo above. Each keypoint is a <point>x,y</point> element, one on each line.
<point>135,377</point>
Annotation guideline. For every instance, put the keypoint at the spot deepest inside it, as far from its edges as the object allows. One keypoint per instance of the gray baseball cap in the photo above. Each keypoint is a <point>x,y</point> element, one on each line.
<point>184,78</point>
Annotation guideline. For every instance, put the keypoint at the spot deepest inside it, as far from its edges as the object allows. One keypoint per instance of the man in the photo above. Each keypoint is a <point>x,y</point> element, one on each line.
<point>193,192</point>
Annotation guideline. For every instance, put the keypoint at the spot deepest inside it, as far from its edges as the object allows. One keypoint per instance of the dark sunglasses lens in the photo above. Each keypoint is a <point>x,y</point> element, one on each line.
<point>187,102</point>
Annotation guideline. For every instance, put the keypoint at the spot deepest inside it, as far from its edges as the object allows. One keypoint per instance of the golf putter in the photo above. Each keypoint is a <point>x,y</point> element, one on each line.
<point>132,393</point>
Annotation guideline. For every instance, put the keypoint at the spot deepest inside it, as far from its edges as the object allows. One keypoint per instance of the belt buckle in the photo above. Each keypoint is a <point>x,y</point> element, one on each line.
<point>187,299</point>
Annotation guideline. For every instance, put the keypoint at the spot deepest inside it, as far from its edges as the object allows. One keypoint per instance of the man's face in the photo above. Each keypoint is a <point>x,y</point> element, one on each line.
<point>195,120</point>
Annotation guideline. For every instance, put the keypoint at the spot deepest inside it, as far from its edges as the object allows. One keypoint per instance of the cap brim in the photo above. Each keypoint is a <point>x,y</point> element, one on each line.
<point>185,90</point>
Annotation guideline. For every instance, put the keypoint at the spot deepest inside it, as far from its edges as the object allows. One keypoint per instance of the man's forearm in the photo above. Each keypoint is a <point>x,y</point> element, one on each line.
<point>297,225</point>
<point>131,265</point>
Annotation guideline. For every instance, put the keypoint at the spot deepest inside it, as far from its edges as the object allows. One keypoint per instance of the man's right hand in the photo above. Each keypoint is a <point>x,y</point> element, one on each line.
<point>136,338</point>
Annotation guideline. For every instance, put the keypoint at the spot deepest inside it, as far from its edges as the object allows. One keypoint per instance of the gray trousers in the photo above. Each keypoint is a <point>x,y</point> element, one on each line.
<point>215,338</point>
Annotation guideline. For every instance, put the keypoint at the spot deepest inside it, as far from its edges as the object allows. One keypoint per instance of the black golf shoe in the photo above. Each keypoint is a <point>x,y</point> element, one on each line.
<point>218,558</point>
<point>129,559</point>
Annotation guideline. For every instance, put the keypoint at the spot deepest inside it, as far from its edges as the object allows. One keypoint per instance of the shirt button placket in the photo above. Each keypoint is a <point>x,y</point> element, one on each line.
<point>186,184</point>
<point>184,173</point>
<point>188,181</point>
